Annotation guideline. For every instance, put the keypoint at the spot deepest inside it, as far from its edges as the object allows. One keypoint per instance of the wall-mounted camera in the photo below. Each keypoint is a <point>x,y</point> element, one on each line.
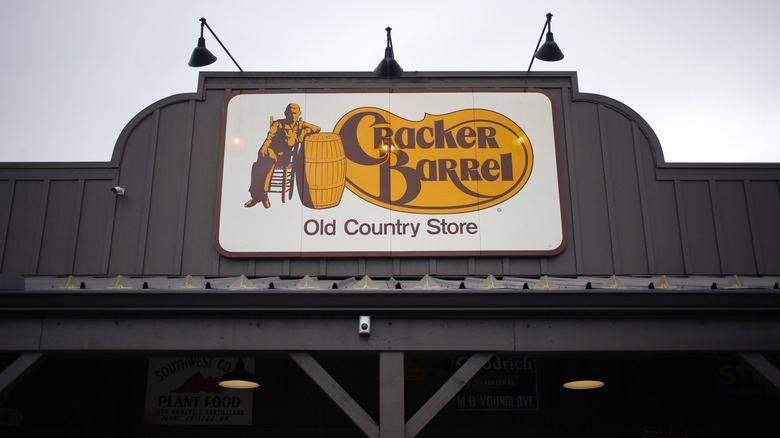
<point>120,191</point>
<point>364,326</point>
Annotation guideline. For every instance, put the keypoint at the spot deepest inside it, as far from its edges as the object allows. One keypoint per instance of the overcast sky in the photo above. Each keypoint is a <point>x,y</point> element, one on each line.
<point>703,74</point>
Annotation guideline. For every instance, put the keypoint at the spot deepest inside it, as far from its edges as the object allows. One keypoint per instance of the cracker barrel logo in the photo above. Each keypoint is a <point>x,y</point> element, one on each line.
<point>384,173</point>
<point>462,161</point>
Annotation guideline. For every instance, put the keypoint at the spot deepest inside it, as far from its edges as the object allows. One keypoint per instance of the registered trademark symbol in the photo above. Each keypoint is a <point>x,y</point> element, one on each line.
<point>498,210</point>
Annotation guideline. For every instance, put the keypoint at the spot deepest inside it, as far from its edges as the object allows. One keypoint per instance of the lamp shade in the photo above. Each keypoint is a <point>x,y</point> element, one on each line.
<point>388,68</point>
<point>239,378</point>
<point>549,50</point>
<point>583,374</point>
<point>201,55</point>
<point>583,384</point>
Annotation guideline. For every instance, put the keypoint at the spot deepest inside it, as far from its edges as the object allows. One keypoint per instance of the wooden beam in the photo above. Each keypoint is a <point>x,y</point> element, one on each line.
<point>14,372</point>
<point>764,367</point>
<point>445,393</point>
<point>540,335</point>
<point>339,396</point>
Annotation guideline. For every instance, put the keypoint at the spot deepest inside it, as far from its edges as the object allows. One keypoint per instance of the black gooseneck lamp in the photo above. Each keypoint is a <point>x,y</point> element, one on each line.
<point>388,67</point>
<point>549,50</point>
<point>201,56</point>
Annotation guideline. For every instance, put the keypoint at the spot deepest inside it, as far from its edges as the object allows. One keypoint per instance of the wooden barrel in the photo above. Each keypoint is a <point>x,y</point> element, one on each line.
<point>325,168</point>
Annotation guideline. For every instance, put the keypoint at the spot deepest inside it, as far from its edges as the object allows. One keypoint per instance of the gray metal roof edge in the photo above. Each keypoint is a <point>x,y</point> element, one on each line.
<point>465,303</point>
<point>367,74</point>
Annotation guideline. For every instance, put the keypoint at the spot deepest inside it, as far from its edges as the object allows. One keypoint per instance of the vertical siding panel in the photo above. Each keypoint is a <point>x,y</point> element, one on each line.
<point>610,196</point>
<point>78,207</point>
<point>25,221</point>
<point>5,217</point>
<point>199,254</point>
<point>737,240</point>
<point>678,198</point>
<point>94,227</point>
<point>110,221</point>
<point>233,267</point>
<point>765,196</point>
<point>719,239</point>
<point>269,268</point>
<point>39,227</point>
<point>127,231</point>
<point>643,200</point>
<point>666,229</point>
<point>452,267</point>
<point>591,220</point>
<point>301,267</point>
<point>531,267</point>
<point>251,268</point>
<point>143,234</point>
<point>626,224</point>
<point>60,227</point>
<point>171,169</point>
<point>488,266</point>
<point>323,267</point>
<point>379,267</point>
<point>343,267</point>
<point>700,228</point>
<point>754,235</point>
<point>418,266</point>
<point>185,184</point>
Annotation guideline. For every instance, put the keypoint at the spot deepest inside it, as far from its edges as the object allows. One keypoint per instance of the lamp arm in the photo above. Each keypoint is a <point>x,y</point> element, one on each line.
<point>203,21</point>
<point>538,43</point>
<point>389,48</point>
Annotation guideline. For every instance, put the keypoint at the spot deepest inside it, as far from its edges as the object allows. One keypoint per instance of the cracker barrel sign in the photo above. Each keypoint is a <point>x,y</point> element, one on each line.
<point>389,173</point>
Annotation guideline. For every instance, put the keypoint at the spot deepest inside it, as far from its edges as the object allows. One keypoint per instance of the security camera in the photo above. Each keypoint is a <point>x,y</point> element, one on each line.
<point>364,326</point>
<point>120,191</point>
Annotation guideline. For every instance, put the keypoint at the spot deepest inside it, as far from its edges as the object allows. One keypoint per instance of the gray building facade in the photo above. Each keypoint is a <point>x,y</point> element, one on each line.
<point>669,271</point>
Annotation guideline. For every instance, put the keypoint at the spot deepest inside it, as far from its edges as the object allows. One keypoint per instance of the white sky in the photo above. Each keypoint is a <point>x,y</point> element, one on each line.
<point>703,74</point>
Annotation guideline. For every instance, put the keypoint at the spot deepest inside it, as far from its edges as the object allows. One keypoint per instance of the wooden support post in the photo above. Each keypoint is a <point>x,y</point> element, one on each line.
<point>391,394</point>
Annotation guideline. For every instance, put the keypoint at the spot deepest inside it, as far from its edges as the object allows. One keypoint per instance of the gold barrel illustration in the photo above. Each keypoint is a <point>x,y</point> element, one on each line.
<point>325,168</point>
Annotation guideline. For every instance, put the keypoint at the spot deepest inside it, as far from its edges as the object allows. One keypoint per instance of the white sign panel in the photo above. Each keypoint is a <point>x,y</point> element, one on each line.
<point>185,390</point>
<point>461,172</point>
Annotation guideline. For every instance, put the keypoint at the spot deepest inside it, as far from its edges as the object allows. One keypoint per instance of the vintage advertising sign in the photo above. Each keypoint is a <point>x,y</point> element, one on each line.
<point>505,383</point>
<point>186,391</point>
<point>389,173</point>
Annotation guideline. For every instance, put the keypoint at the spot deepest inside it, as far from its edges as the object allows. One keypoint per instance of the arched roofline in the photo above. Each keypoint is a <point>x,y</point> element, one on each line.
<point>119,146</point>
<point>628,112</point>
